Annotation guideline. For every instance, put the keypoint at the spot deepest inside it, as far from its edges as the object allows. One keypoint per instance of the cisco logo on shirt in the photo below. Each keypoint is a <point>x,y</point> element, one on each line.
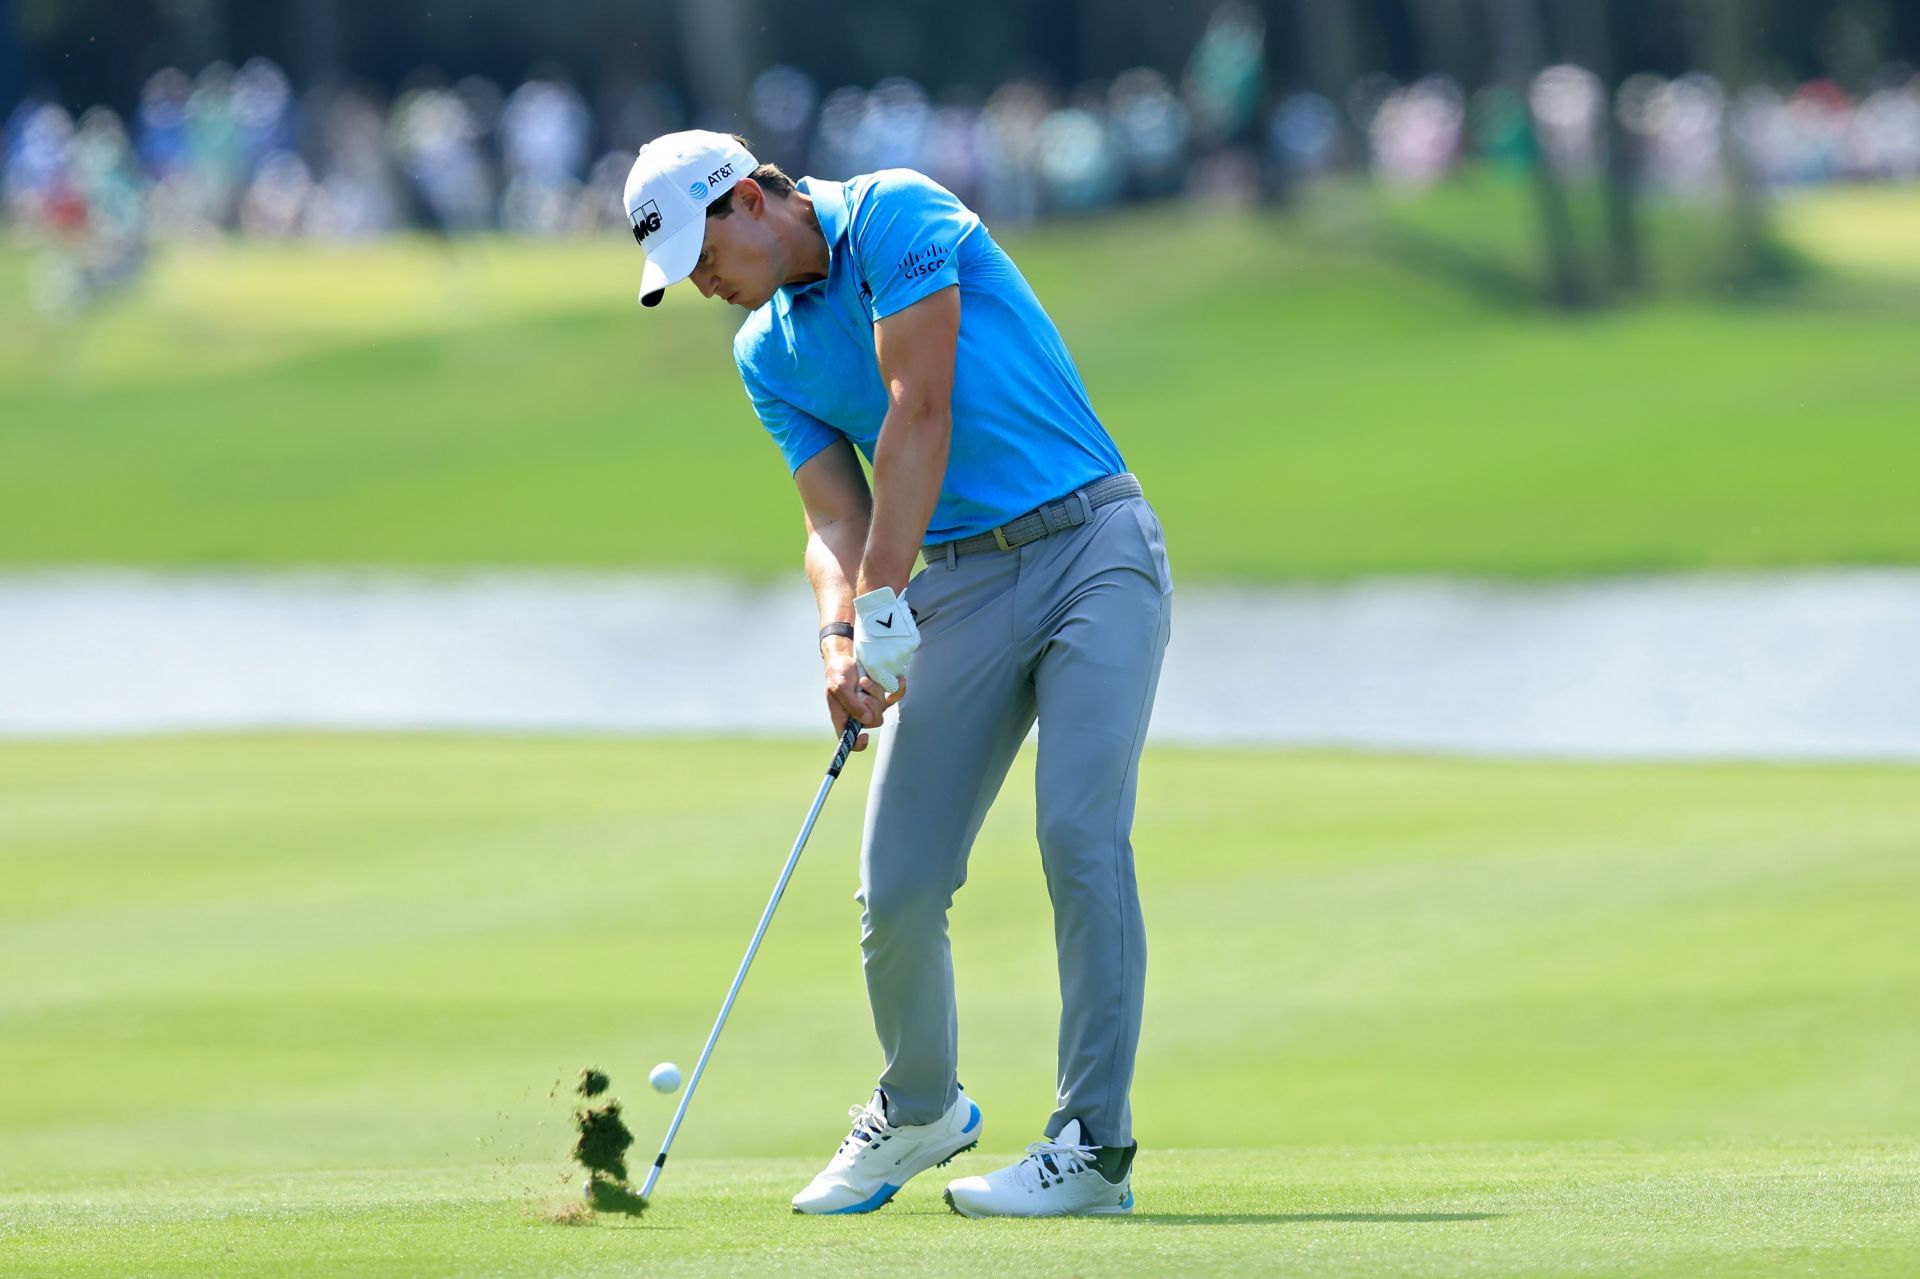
<point>923,261</point>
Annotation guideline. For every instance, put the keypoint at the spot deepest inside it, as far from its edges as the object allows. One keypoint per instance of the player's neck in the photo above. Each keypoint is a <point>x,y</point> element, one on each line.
<point>806,243</point>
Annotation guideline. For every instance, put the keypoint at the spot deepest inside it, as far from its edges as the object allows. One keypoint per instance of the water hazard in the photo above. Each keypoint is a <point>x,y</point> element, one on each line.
<point>1788,666</point>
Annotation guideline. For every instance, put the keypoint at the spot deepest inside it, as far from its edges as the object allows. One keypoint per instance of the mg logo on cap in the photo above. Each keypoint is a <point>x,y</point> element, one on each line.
<point>646,220</point>
<point>698,190</point>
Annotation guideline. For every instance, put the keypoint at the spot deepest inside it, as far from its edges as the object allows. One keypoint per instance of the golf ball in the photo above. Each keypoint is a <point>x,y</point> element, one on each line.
<point>665,1077</point>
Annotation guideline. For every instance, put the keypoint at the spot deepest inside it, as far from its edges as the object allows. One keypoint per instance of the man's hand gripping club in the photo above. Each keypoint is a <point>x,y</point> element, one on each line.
<point>885,637</point>
<point>851,693</point>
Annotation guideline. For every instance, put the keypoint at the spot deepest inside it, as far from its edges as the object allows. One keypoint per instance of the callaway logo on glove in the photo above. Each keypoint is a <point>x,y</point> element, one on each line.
<point>884,637</point>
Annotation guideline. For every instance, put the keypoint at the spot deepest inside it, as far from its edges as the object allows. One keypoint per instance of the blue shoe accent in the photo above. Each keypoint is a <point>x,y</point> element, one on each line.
<point>973,1120</point>
<point>1127,1204</point>
<point>878,1199</point>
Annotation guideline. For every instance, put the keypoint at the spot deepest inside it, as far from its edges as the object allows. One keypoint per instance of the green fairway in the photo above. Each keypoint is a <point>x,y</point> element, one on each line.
<point>1362,387</point>
<point>290,1005</point>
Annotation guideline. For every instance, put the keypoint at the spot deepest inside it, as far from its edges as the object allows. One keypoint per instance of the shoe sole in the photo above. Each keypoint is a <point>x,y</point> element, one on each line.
<point>880,1199</point>
<point>1123,1209</point>
<point>973,1126</point>
<point>955,1155</point>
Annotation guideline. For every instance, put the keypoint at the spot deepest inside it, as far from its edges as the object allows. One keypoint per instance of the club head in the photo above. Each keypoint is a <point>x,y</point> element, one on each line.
<point>605,1195</point>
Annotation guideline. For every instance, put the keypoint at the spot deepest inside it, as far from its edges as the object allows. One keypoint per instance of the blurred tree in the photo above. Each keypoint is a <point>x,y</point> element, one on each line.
<point>1330,47</point>
<point>1854,40</point>
<point>721,53</point>
<point>1518,56</point>
<point>12,89</point>
<point>1725,32</point>
<point>1330,57</point>
<point>316,37</point>
<point>1103,43</point>
<point>1599,37</point>
<point>1451,40</point>
<point>1111,36</point>
<point>88,51</point>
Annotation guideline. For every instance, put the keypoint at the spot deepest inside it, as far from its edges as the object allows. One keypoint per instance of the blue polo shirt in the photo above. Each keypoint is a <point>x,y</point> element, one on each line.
<point>1024,431</point>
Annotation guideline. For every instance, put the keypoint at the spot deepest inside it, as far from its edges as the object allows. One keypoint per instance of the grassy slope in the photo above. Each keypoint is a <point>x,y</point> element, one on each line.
<point>1360,389</point>
<point>296,1005</point>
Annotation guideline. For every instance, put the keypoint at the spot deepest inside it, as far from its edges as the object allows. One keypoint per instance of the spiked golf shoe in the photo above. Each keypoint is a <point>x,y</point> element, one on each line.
<point>879,1156</point>
<point>1062,1177</point>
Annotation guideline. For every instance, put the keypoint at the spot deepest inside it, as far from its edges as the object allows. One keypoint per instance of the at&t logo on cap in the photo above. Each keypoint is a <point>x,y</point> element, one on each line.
<point>698,190</point>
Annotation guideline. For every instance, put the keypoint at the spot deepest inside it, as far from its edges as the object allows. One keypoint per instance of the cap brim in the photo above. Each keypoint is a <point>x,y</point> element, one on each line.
<point>671,261</point>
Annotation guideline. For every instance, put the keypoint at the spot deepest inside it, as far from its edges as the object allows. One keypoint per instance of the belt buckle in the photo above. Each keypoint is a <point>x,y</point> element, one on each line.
<point>1000,537</point>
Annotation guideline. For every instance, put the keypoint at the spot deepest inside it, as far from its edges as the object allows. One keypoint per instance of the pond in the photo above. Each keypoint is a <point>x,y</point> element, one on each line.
<point>1790,666</point>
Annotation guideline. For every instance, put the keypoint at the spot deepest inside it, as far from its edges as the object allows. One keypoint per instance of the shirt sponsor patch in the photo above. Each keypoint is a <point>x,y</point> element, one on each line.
<point>923,261</point>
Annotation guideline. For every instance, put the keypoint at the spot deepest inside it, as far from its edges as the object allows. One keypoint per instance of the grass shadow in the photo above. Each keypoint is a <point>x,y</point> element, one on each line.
<point>1294,1218</point>
<point>1502,285</point>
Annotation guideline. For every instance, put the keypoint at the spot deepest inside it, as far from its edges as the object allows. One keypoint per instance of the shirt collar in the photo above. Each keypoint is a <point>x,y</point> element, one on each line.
<point>830,209</point>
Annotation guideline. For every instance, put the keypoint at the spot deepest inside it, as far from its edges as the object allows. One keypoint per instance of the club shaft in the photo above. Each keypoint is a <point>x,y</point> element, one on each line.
<point>847,738</point>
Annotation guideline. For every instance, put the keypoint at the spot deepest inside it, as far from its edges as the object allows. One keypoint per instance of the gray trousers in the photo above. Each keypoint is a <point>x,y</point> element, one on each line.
<point>1070,629</point>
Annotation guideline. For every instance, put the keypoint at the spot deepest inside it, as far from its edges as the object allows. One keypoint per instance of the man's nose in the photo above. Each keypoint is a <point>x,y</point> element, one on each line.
<point>703,281</point>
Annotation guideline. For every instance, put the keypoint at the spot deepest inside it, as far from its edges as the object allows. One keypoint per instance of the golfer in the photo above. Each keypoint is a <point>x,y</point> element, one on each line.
<point>884,322</point>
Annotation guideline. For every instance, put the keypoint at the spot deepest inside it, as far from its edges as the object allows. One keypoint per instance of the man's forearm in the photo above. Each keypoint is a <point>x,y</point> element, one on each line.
<point>909,467</point>
<point>833,566</point>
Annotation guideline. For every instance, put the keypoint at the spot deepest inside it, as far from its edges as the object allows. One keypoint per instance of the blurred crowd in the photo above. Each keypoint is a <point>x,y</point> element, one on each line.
<point>243,150</point>
<point>1677,131</point>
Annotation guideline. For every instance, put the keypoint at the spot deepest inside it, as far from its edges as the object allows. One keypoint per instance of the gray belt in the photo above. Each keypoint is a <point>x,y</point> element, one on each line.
<point>1074,509</point>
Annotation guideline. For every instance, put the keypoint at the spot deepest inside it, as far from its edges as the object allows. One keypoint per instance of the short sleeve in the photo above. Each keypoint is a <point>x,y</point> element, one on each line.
<point>795,431</point>
<point>799,433</point>
<point>906,233</point>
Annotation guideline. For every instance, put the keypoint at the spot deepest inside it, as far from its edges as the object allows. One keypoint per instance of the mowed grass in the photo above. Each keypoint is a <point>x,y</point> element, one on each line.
<point>1362,386</point>
<point>289,1005</point>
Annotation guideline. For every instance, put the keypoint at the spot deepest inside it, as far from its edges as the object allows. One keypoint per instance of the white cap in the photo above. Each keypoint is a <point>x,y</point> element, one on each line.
<point>668,190</point>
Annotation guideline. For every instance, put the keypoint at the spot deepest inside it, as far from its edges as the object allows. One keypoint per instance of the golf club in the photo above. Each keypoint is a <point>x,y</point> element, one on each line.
<point>848,736</point>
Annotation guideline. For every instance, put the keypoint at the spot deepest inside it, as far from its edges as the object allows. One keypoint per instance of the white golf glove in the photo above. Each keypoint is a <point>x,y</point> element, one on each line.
<point>884,637</point>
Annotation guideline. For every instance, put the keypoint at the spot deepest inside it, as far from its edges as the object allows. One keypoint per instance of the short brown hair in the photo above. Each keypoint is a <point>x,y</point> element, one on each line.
<point>771,177</point>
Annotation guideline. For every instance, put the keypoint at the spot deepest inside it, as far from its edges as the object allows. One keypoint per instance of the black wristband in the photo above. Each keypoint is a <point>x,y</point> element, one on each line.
<point>843,629</point>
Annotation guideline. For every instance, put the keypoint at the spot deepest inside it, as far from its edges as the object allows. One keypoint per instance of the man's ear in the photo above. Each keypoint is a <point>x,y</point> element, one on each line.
<point>748,195</point>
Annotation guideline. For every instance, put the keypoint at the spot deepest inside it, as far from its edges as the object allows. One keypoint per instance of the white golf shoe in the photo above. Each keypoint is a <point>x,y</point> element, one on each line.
<point>1059,1178</point>
<point>878,1156</point>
